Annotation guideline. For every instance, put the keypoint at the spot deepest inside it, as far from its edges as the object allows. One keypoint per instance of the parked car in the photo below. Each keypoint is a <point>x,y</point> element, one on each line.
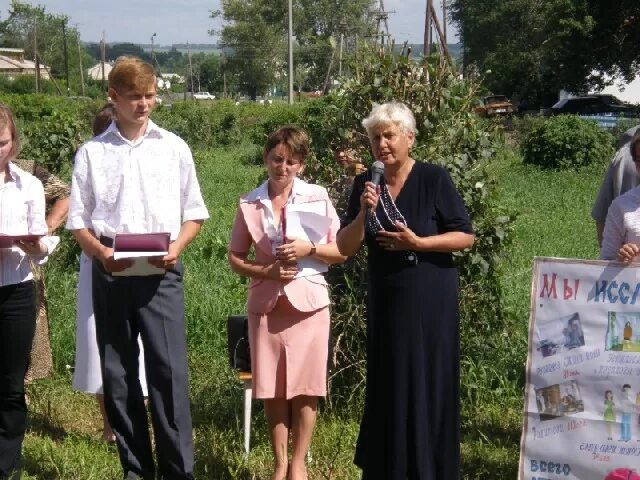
<point>495,105</point>
<point>203,96</point>
<point>594,105</point>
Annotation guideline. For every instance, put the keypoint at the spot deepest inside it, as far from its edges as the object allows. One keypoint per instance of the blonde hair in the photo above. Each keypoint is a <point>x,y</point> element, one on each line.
<point>395,113</point>
<point>131,73</point>
<point>7,121</point>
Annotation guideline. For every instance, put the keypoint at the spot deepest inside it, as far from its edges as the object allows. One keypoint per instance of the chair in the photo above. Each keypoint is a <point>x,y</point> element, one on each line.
<point>240,359</point>
<point>245,378</point>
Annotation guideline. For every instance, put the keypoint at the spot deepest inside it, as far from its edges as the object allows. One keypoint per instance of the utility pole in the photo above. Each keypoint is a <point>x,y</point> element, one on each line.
<point>290,52</point>
<point>153,52</point>
<point>224,84</point>
<point>443,41</point>
<point>340,65</point>
<point>81,69</point>
<point>190,67</point>
<point>65,53</point>
<point>35,54</point>
<point>427,29</point>
<point>382,16</point>
<point>103,56</point>
<point>444,19</point>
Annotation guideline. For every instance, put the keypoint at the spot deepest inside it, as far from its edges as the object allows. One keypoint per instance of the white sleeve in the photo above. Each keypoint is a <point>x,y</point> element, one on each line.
<point>192,206</point>
<point>614,233</point>
<point>82,197</point>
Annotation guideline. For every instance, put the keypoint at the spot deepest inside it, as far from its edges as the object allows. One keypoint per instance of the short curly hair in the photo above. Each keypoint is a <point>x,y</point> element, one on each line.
<point>294,138</point>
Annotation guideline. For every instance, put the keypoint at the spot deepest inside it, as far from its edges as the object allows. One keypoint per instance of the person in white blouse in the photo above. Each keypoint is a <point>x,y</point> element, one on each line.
<point>22,212</point>
<point>139,178</point>
<point>621,236</point>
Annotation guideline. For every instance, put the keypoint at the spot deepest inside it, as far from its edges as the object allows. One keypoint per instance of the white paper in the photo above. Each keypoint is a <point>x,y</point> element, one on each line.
<point>121,255</point>
<point>308,221</point>
<point>140,268</point>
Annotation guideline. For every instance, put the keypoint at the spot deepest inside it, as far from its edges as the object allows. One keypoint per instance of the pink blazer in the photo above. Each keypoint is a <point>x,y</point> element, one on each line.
<point>306,294</point>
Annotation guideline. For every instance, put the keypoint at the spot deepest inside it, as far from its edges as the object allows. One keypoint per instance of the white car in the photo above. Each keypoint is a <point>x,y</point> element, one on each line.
<point>203,96</point>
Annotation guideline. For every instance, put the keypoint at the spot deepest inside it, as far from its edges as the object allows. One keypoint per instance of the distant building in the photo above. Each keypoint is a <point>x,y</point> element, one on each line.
<point>95,72</point>
<point>13,63</point>
<point>173,77</point>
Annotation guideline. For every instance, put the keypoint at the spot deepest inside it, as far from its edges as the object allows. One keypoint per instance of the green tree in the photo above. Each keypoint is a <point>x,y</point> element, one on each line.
<point>534,49</point>
<point>256,42</point>
<point>317,22</point>
<point>256,36</point>
<point>210,73</point>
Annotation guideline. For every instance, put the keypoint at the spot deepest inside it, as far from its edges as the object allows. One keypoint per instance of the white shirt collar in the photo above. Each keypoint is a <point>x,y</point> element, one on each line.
<point>15,172</point>
<point>151,130</point>
<point>261,193</point>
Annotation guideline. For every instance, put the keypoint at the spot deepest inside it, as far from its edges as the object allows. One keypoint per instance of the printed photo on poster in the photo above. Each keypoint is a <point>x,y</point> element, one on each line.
<point>623,332</point>
<point>559,400</point>
<point>559,334</point>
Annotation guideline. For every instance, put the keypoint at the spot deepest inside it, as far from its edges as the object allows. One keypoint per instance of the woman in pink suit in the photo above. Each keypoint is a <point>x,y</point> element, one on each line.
<point>288,301</point>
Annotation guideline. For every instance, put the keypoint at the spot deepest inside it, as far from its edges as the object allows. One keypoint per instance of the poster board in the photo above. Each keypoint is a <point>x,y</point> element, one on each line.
<point>582,396</point>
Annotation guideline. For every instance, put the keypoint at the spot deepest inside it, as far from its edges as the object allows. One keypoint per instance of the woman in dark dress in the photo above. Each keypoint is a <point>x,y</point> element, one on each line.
<point>411,223</point>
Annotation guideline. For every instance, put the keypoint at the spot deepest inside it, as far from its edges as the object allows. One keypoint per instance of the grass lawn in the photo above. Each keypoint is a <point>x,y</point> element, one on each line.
<point>63,441</point>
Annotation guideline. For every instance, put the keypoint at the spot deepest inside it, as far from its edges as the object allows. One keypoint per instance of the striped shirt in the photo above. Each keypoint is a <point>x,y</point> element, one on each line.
<point>622,224</point>
<point>22,212</point>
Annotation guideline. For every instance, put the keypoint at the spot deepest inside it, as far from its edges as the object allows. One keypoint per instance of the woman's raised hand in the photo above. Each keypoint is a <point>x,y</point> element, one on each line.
<point>370,196</point>
<point>628,252</point>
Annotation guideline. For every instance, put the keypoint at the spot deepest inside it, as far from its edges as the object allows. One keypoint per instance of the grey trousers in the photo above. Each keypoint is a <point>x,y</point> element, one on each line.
<point>152,308</point>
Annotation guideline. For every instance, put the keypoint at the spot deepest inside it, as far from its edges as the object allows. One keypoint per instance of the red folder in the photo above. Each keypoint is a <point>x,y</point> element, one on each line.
<point>142,242</point>
<point>7,241</point>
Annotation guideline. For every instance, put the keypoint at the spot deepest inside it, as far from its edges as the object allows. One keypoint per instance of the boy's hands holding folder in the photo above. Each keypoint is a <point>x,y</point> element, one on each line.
<point>110,264</point>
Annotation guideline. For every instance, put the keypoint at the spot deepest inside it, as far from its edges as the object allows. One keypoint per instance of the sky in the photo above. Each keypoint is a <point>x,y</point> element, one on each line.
<point>181,21</point>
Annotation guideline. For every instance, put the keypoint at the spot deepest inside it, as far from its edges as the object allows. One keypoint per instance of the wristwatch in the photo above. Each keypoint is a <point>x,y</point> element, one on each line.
<point>313,249</point>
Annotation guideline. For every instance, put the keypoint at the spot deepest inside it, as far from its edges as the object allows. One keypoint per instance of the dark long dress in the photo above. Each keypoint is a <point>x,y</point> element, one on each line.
<point>410,428</point>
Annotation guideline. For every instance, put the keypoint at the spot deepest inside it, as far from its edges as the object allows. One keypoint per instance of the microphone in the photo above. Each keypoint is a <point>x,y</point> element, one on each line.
<point>377,171</point>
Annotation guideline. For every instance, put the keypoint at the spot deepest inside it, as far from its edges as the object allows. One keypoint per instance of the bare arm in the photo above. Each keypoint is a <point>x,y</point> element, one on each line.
<point>58,214</point>
<point>94,249</point>
<point>350,237</point>
<point>297,249</point>
<point>188,232</point>
<point>446,242</point>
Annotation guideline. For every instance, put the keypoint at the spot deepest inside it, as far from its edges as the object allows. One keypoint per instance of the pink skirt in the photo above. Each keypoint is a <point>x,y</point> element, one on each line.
<point>289,351</point>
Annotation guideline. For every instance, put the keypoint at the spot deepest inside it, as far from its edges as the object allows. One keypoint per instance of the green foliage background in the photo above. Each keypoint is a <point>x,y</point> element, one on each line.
<point>565,141</point>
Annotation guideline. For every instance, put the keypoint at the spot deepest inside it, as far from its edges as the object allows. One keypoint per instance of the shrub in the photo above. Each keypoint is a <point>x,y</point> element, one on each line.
<point>621,127</point>
<point>566,141</point>
<point>222,122</point>
<point>51,128</point>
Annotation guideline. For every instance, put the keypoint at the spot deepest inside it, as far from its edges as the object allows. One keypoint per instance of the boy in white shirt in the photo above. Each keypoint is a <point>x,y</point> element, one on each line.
<point>139,178</point>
